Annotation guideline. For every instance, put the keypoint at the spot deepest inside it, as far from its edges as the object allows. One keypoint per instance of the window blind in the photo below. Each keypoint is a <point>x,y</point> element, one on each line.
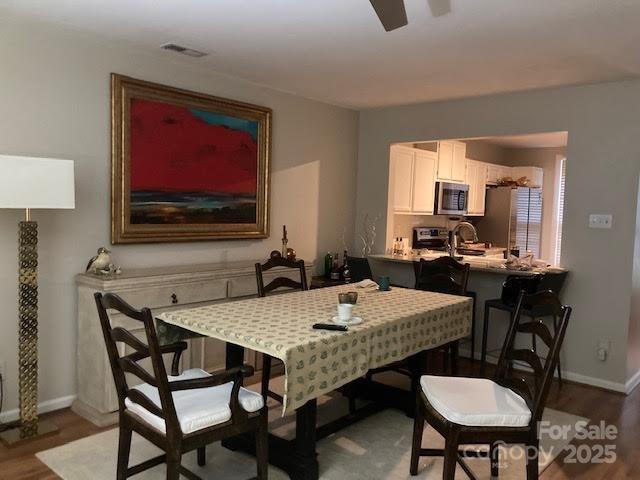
<point>560,210</point>
<point>535,221</point>
<point>529,220</point>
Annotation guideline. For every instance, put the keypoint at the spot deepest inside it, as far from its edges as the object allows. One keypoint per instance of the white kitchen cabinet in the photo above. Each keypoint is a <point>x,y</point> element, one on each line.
<point>401,174</point>
<point>476,178</point>
<point>451,161</point>
<point>534,174</point>
<point>424,177</point>
<point>458,166</point>
<point>496,172</point>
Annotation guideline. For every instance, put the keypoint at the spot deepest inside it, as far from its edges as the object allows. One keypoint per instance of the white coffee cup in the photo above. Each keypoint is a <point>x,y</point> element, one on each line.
<point>345,311</point>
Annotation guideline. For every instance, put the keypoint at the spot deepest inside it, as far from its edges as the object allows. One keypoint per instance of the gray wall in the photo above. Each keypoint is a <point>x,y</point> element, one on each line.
<point>55,96</point>
<point>483,151</point>
<point>602,177</point>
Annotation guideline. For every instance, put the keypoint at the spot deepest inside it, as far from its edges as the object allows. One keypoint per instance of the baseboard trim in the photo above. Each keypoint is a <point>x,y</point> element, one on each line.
<point>578,378</point>
<point>43,407</point>
<point>632,383</point>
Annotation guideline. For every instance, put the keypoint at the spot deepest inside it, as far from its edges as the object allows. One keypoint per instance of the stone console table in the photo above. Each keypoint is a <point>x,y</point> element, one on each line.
<point>161,289</point>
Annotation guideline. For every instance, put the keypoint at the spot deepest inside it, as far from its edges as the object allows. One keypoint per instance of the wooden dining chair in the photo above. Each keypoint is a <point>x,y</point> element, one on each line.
<point>442,275</point>
<point>512,286</point>
<point>505,410</point>
<point>446,275</point>
<point>180,413</point>
<point>359,268</point>
<point>275,261</point>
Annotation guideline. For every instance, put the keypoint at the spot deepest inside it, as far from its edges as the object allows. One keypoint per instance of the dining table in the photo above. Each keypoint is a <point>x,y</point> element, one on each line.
<point>398,324</point>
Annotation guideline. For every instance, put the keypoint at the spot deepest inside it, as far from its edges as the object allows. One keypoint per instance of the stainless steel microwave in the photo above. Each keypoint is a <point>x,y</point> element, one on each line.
<point>451,198</point>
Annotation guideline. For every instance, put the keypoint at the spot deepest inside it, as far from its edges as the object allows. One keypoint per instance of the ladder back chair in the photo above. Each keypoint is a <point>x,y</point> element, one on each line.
<point>359,268</point>
<point>505,410</point>
<point>277,260</point>
<point>181,413</point>
<point>446,275</point>
<point>442,275</point>
<point>553,281</point>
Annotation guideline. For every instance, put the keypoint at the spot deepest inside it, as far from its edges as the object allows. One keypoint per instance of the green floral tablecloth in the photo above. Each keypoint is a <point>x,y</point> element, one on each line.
<point>397,324</point>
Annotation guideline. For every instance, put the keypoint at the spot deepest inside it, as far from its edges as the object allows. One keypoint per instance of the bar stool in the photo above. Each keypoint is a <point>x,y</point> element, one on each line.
<point>514,284</point>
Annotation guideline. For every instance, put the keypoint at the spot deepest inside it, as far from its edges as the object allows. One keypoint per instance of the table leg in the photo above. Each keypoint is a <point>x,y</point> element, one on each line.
<point>417,368</point>
<point>298,457</point>
<point>305,462</point>
<point>485,332</point>
<point>234,355</point>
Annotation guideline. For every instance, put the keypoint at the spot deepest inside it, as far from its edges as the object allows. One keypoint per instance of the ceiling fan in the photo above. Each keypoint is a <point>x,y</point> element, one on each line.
<point>392,13</point>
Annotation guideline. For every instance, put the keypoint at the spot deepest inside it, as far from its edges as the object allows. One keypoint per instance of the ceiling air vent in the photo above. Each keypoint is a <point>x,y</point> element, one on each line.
<point>183,50</point>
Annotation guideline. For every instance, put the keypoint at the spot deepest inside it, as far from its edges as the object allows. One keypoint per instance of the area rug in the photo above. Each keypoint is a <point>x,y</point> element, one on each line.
<point>376,448</point>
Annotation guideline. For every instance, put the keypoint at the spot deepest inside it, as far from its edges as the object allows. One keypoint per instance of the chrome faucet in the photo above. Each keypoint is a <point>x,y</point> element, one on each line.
<point>453,242</point>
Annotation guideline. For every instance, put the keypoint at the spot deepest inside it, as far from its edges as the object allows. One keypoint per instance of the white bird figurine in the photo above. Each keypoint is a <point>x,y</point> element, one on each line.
<point>101,263</point>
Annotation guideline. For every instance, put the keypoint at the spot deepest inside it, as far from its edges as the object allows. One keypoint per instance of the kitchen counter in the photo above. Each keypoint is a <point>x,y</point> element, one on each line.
<point>477,263</point>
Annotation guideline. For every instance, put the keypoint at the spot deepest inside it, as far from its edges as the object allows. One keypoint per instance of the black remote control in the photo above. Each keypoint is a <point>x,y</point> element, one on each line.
<point>330,326</point>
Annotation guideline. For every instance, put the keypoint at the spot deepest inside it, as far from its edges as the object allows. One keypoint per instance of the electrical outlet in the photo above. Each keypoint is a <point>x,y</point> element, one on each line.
<point>604,346</point>
<point>600,221</point>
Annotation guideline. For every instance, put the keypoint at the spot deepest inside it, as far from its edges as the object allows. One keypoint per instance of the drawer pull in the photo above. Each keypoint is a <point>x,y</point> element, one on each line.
<point>174,298</point>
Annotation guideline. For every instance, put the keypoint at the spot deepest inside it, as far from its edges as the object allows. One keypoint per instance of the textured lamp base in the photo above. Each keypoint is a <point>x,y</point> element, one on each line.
<point>29,427</point>
<point>17,436</point>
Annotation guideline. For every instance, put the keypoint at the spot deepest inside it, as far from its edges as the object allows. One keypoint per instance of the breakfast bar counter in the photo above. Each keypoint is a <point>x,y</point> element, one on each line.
<point>477,263</point>
<point>485,280</point>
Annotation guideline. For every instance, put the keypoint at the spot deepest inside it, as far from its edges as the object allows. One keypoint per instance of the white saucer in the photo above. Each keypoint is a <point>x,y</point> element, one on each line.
<point>346,323</point>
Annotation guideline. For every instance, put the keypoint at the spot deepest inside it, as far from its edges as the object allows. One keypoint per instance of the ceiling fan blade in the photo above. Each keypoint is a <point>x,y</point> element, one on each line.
<point>439,7</point>
<point>391,13</point>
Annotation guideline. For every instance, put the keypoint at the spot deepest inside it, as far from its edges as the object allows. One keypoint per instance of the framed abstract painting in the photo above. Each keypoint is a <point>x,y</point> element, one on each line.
<point>186,166</point>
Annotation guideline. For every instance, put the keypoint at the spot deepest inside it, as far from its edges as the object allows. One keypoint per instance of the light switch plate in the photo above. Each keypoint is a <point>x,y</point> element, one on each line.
<point>600,221</point>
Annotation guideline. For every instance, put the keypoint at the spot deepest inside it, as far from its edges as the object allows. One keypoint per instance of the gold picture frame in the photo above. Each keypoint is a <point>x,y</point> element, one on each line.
<point>194,156</point>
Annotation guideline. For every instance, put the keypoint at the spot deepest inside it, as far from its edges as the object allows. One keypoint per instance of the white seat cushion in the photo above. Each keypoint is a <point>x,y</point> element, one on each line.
<point>475,402</point>
<point>197,408</point>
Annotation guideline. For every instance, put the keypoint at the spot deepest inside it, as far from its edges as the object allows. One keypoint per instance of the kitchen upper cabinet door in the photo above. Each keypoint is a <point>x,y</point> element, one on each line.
<point>476,178</point>
<point>469,179</point>
<point>402,173</point>
<point>458,164</point>
<point>445,161</point>
<point>496,172</point>
<point>481,188</point>
<point>424,177</point>
<point>493,171</point>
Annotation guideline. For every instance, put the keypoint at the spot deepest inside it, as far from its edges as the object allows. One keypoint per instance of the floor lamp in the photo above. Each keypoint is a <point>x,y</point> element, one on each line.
<point>31,183</point>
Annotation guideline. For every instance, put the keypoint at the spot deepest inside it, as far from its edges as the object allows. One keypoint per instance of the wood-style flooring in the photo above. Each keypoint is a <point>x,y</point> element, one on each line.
<point>20,463</point>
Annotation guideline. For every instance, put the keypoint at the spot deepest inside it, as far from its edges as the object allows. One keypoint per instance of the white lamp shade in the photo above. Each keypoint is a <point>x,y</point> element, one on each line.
<point>30,182</point>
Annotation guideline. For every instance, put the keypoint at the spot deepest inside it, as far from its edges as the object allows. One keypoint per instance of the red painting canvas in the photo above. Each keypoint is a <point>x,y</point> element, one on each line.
<point>191,166</point>
<point>187,166</point>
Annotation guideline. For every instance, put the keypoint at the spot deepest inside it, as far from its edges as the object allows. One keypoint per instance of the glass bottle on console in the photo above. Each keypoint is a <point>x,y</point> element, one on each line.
<point>328,265</point>
<point>335,270</point>
<point>345,273</point>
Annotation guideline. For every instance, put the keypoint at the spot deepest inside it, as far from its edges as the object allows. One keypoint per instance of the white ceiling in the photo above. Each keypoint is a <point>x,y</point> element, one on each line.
<point>337,51</point>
